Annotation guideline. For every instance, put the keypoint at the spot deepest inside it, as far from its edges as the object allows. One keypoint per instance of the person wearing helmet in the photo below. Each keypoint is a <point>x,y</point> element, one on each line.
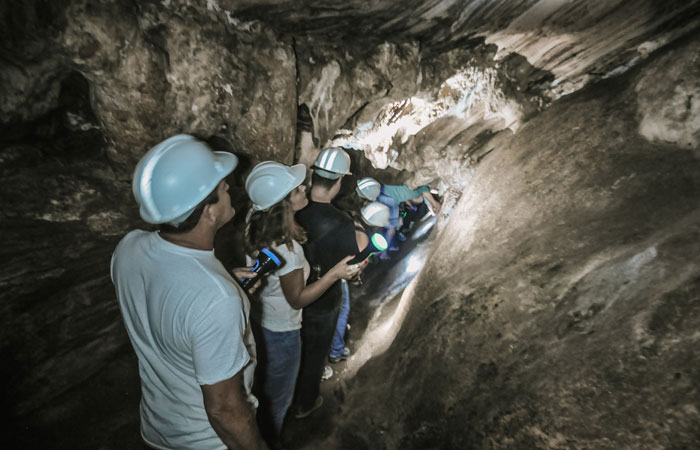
<point>374,215</point>
<point>186,317</point>
<point>331,237</point>
<point>368,189</point>
<point>392,196</point>
<point>277,193</point>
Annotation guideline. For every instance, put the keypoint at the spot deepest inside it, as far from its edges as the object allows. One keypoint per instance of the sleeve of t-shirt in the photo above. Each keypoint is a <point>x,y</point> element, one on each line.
<point>217,341</point>
<point>293,259</point>
<point>401,193</point>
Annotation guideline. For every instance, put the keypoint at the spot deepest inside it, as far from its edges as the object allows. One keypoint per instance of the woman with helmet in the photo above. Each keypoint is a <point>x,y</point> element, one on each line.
<point>277,192</point>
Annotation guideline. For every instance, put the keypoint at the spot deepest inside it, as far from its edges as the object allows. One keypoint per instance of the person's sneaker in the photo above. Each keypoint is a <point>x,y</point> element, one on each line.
<point>384,256</point>
<point>341,357</point>
<point>327,373</point>
<point>394,248</point>
<point>401,237</point>
<point>299,414</point>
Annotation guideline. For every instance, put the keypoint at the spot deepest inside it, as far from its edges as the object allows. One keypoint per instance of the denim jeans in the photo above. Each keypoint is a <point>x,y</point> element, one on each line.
<point>279,355</point>
<point>338,344</point>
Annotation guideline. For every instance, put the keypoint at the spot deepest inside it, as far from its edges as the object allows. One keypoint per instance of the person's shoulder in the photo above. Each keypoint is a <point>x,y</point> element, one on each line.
<point>136,235</point>
<point>285,252</point>
<point>297,247</point>
<point>314,210</point>
<point>132,238</point>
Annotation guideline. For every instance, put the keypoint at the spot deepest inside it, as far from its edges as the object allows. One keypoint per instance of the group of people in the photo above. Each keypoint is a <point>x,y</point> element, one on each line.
<point>197,335</point>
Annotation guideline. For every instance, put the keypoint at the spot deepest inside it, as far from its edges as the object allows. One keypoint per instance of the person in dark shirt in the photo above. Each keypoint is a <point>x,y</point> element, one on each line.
<point>331,237</point>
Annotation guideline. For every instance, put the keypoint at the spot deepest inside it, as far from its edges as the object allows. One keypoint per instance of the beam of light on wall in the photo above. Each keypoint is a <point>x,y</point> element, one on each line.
<point>423,228</point>
<point>388,317</point>
<point>414,263</point>
<point>381,333</point>
<point>407,269</point>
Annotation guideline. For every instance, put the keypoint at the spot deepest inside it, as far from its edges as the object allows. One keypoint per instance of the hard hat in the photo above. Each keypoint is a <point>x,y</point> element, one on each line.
<point>173,177</point>
<point>376,214</point>
<point>368,188</point>
<point>269,182</point>
<point>332,163</point>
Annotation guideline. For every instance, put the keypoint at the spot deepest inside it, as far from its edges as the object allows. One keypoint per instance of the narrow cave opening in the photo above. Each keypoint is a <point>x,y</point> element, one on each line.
<point>552,303</point>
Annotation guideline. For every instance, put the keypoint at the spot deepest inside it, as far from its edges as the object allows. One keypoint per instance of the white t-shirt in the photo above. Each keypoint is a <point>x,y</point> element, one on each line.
<point>187,320</point>
<point>272,310</point>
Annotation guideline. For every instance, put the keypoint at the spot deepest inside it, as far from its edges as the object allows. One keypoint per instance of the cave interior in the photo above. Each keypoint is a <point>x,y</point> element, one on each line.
<point>555,302</point>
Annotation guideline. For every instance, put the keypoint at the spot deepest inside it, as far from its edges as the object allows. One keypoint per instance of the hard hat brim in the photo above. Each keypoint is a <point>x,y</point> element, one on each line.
<point>228,161</point>
<point>376,223</point>
<point>330,175</point>
<point>299,173</point>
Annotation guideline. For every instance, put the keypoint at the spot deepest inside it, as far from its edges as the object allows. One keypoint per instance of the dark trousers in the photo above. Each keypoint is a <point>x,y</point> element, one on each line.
<point>317,331</point>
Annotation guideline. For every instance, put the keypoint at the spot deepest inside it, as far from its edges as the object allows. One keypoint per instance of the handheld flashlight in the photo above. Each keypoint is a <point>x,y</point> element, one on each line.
<point>377,243</point>
<point>267,261</point>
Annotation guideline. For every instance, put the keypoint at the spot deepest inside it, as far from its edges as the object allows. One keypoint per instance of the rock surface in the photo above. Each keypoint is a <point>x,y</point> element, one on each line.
<point>560,304</point>
<point>563,285</point>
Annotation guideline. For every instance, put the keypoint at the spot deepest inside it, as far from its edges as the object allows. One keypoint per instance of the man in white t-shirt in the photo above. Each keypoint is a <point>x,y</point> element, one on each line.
<point>186,317</point>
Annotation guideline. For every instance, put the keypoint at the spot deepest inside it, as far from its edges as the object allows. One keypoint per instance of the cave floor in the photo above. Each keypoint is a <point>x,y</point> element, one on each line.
<point>102,412</point>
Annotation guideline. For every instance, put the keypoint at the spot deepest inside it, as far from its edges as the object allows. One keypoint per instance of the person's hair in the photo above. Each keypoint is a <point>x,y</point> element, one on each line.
<point>275,226</point>
<point>323,182</point>
<point>193,219</point>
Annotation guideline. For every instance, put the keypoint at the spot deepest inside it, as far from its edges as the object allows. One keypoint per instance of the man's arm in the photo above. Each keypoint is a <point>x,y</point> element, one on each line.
<point>230,414</point>
<point>434,204</point>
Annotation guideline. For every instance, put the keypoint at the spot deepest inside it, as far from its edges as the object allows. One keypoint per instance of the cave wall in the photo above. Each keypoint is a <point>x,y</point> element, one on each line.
<point>433,88</point>
<point>87,88</point>
<point>560,305</point>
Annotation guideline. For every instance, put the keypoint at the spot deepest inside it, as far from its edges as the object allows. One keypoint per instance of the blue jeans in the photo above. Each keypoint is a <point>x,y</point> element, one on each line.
<point>338,344</point>
<point>279,356</point>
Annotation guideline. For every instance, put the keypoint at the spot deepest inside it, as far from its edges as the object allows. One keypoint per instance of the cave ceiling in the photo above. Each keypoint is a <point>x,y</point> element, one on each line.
<point>238,69</point>
<point>425,87</point>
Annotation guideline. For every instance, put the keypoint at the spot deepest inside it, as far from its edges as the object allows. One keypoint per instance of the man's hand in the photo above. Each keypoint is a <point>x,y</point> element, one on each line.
<point>245,272</point>
<point>433,205</point>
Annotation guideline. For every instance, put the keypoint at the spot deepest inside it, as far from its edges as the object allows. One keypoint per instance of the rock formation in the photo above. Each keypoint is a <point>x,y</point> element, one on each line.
<point>560,305</point>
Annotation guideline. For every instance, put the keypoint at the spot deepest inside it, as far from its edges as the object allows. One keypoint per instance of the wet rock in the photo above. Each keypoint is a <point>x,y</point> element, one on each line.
<point>153,74</point>
<point>558,308</point>
<point>342,84</point>
<point>672,117</point>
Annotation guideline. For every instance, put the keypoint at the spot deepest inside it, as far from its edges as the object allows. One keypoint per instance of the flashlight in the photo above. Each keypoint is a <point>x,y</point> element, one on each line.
<point>377,243</point>
<point>267,261</point>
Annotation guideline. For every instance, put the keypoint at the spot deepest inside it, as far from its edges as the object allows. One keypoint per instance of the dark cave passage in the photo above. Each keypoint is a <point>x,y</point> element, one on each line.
<point>554,301</point>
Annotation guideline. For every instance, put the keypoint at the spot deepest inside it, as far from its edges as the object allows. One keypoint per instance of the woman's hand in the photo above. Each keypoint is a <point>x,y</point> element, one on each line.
<point>345,271</point>
<point>244,272</point>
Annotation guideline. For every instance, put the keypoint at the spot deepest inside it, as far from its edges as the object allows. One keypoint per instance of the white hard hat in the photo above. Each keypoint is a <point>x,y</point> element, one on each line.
<point>269,182</point>
<point>173,177</point>
<point>332,163</point>
<point>376,214</point>
<point>368,188</point>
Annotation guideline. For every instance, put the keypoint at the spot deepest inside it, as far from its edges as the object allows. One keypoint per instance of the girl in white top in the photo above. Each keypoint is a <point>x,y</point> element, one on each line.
<point>277,193</point>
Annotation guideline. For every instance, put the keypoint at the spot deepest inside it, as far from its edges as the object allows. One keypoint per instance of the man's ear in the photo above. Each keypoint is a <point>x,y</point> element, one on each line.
<point>209,213</point>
